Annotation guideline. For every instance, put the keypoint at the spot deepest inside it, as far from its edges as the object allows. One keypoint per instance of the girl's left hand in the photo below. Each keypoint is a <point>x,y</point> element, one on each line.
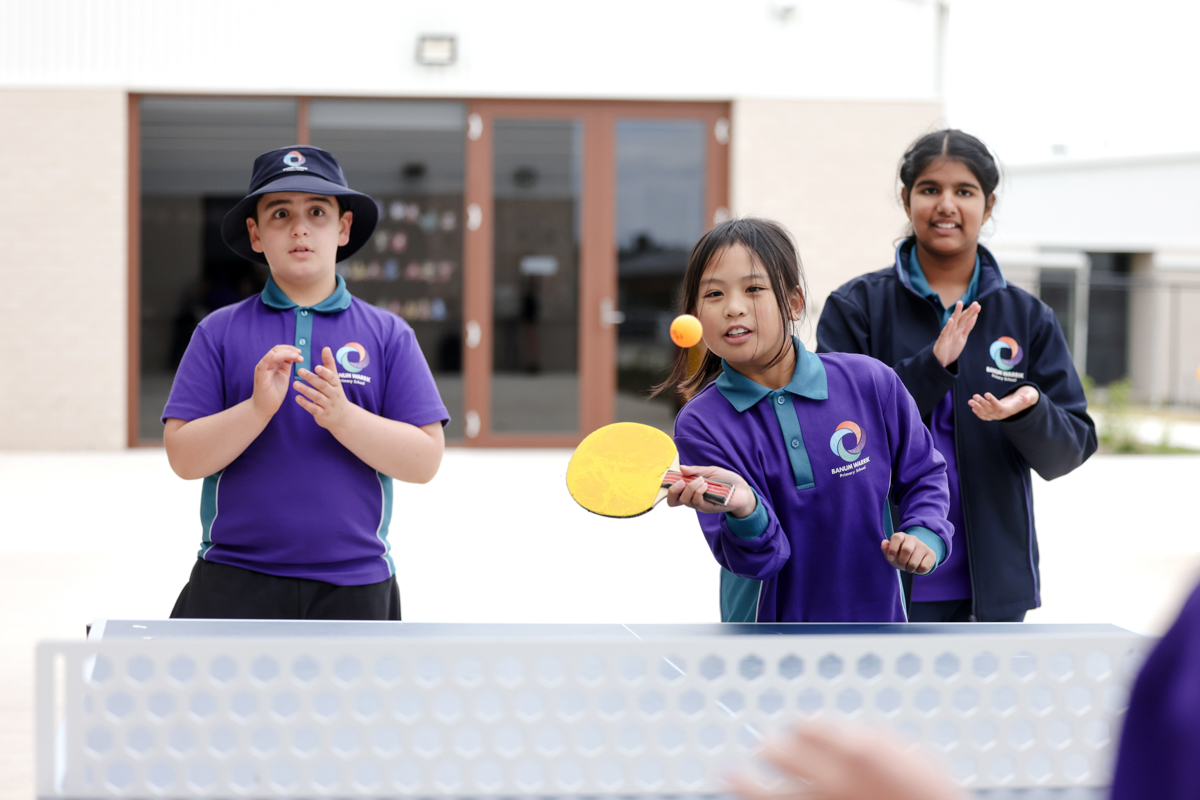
<point>990,409</point>
<point>907,552</point>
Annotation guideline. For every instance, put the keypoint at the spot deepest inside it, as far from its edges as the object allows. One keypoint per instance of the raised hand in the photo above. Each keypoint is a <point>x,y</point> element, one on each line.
<point>953,338</point>
<point>990,409</point>
<point>321,393</point>
<point>908,553</point>
<point>271,377</point>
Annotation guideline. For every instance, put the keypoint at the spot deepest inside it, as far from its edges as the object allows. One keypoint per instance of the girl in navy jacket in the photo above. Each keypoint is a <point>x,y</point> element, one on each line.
<point>988,367</point>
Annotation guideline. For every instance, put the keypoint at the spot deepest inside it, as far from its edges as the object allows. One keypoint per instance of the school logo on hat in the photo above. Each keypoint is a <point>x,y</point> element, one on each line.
<point>838,444</point>
<point>343,357</point>
<point>1014,352</point>
<point>299,168</point>
<point>295,162</point>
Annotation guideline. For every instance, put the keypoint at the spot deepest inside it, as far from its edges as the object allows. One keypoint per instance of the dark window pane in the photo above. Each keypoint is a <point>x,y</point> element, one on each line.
<point>1057,290</point>
<point>196,156</point>
<point>1108,317</point>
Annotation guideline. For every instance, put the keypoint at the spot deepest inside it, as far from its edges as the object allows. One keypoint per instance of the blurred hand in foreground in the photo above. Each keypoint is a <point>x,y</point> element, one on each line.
<point>834,763</point>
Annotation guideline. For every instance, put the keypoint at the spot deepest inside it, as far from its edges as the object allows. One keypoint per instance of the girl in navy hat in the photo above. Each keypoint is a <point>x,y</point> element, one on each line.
<point>298,407</point>
<point>988,367</point>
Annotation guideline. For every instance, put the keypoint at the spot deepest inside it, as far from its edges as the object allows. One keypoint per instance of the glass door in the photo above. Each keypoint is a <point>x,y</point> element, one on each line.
<point>558,194</point>
<point>538,355</point>
<point>536,192</point>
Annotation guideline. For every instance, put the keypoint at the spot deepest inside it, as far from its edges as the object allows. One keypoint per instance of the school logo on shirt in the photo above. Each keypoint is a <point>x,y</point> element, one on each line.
<point>838,445</point>
<point>295,162</point>
<point>1003,369</point>
<point>353,367</point>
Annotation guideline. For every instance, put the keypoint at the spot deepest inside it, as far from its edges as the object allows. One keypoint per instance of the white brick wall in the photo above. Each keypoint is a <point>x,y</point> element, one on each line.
<point>63,267</point>
<point>826,170</point>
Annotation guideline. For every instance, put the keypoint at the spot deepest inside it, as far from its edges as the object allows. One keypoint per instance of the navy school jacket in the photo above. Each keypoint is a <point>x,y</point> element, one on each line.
<point>880,315</point>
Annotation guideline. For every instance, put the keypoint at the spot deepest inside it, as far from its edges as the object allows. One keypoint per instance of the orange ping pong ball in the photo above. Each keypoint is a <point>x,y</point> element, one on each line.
<point>686,331</point>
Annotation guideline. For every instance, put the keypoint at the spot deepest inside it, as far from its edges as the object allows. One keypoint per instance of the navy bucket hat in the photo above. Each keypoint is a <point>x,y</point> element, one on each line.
<point>301,168</point>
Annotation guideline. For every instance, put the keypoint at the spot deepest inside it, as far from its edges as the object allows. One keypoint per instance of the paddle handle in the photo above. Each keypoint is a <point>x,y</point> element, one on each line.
<point>716,492</point>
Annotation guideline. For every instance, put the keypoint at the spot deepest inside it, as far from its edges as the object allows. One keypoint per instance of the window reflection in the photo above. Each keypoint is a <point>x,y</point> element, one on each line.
<point>660,215</point>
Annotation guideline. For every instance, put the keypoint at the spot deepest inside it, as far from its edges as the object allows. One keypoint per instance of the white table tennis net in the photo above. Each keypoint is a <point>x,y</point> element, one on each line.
<point>377,717</point>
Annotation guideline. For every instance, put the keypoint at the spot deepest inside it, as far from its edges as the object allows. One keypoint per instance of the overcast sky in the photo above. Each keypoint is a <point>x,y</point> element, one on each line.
<point>1098,77</point>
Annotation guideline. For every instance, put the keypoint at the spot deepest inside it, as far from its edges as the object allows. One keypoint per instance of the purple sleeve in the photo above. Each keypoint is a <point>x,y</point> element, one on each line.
<point>199,386</point>
<point>757,558</point>
<point>410,395</point>
<point>1160,743</point>
<point>919,486</point>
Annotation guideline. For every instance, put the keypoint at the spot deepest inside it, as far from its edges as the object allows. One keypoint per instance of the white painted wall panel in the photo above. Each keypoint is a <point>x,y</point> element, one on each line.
<point>63,263</point>
<point>865,49</point>
<point>1131,206</point>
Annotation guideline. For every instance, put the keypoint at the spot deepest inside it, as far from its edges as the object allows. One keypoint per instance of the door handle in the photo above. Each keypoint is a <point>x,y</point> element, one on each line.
<point>609,315</point>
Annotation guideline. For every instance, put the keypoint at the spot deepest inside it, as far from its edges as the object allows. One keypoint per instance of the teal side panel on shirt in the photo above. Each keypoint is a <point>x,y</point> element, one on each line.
<point>888,530</point>
<point>739,598</point>
<point>793,439</point>
<point>385,519</point>
<point>208,510</point>
<point>304,320</point>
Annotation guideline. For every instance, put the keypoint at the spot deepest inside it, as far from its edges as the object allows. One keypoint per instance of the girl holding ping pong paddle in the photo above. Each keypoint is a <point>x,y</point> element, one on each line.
<point>815,446</point>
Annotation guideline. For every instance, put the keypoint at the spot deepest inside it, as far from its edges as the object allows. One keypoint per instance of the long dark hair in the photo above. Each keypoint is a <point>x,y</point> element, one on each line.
<point>954,145</point>
<point>773,250</point>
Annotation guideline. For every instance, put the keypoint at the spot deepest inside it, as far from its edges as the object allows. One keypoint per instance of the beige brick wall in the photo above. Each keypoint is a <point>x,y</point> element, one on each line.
<point>63,267</point>
<point>827,170</point>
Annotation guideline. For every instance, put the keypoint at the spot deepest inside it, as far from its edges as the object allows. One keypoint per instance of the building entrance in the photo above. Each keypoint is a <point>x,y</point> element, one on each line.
<point>536,248</point>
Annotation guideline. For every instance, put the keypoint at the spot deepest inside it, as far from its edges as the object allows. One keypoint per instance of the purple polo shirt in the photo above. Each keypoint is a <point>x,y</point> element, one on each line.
<point>297,503</point>
<point>823,454</point>
<point>1160,743</point>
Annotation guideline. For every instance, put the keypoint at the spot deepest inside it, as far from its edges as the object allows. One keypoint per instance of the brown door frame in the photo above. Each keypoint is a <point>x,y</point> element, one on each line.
<point>133,304</point>
<point>597,255</point>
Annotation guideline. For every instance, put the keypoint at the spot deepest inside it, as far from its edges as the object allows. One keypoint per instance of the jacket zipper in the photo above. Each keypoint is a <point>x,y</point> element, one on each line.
<point>958,460</point>
<point>937,318</point>
<point>962,499</point>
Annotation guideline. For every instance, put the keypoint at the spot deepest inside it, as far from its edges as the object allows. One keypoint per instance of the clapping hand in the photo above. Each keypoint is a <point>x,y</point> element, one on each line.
<point>321,393</point>
<point>953,338</point>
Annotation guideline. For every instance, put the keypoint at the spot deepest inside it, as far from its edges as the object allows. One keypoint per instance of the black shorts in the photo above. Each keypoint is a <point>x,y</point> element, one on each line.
<point>219,591</point>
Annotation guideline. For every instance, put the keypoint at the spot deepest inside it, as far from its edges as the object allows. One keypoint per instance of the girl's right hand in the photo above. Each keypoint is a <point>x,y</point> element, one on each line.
<point>953,338</point>
<point>690,493</point>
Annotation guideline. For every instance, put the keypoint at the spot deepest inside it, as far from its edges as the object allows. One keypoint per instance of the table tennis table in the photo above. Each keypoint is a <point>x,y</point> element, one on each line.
<point>258,708</point>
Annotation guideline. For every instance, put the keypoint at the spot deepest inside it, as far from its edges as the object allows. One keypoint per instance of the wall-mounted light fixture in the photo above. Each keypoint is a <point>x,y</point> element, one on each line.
<point>436,50</point>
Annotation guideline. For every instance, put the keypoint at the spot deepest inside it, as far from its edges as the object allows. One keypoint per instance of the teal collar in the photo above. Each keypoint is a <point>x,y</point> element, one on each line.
<point>273,297</point>
<point>921,285</point>
<point>808,380</point>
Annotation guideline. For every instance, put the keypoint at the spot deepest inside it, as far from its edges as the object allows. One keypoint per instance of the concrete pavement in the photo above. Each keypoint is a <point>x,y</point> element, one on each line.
<point>89,535</point>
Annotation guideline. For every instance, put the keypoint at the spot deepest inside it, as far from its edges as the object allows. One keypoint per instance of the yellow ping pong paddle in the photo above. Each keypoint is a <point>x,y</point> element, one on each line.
<point>625,469</point>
